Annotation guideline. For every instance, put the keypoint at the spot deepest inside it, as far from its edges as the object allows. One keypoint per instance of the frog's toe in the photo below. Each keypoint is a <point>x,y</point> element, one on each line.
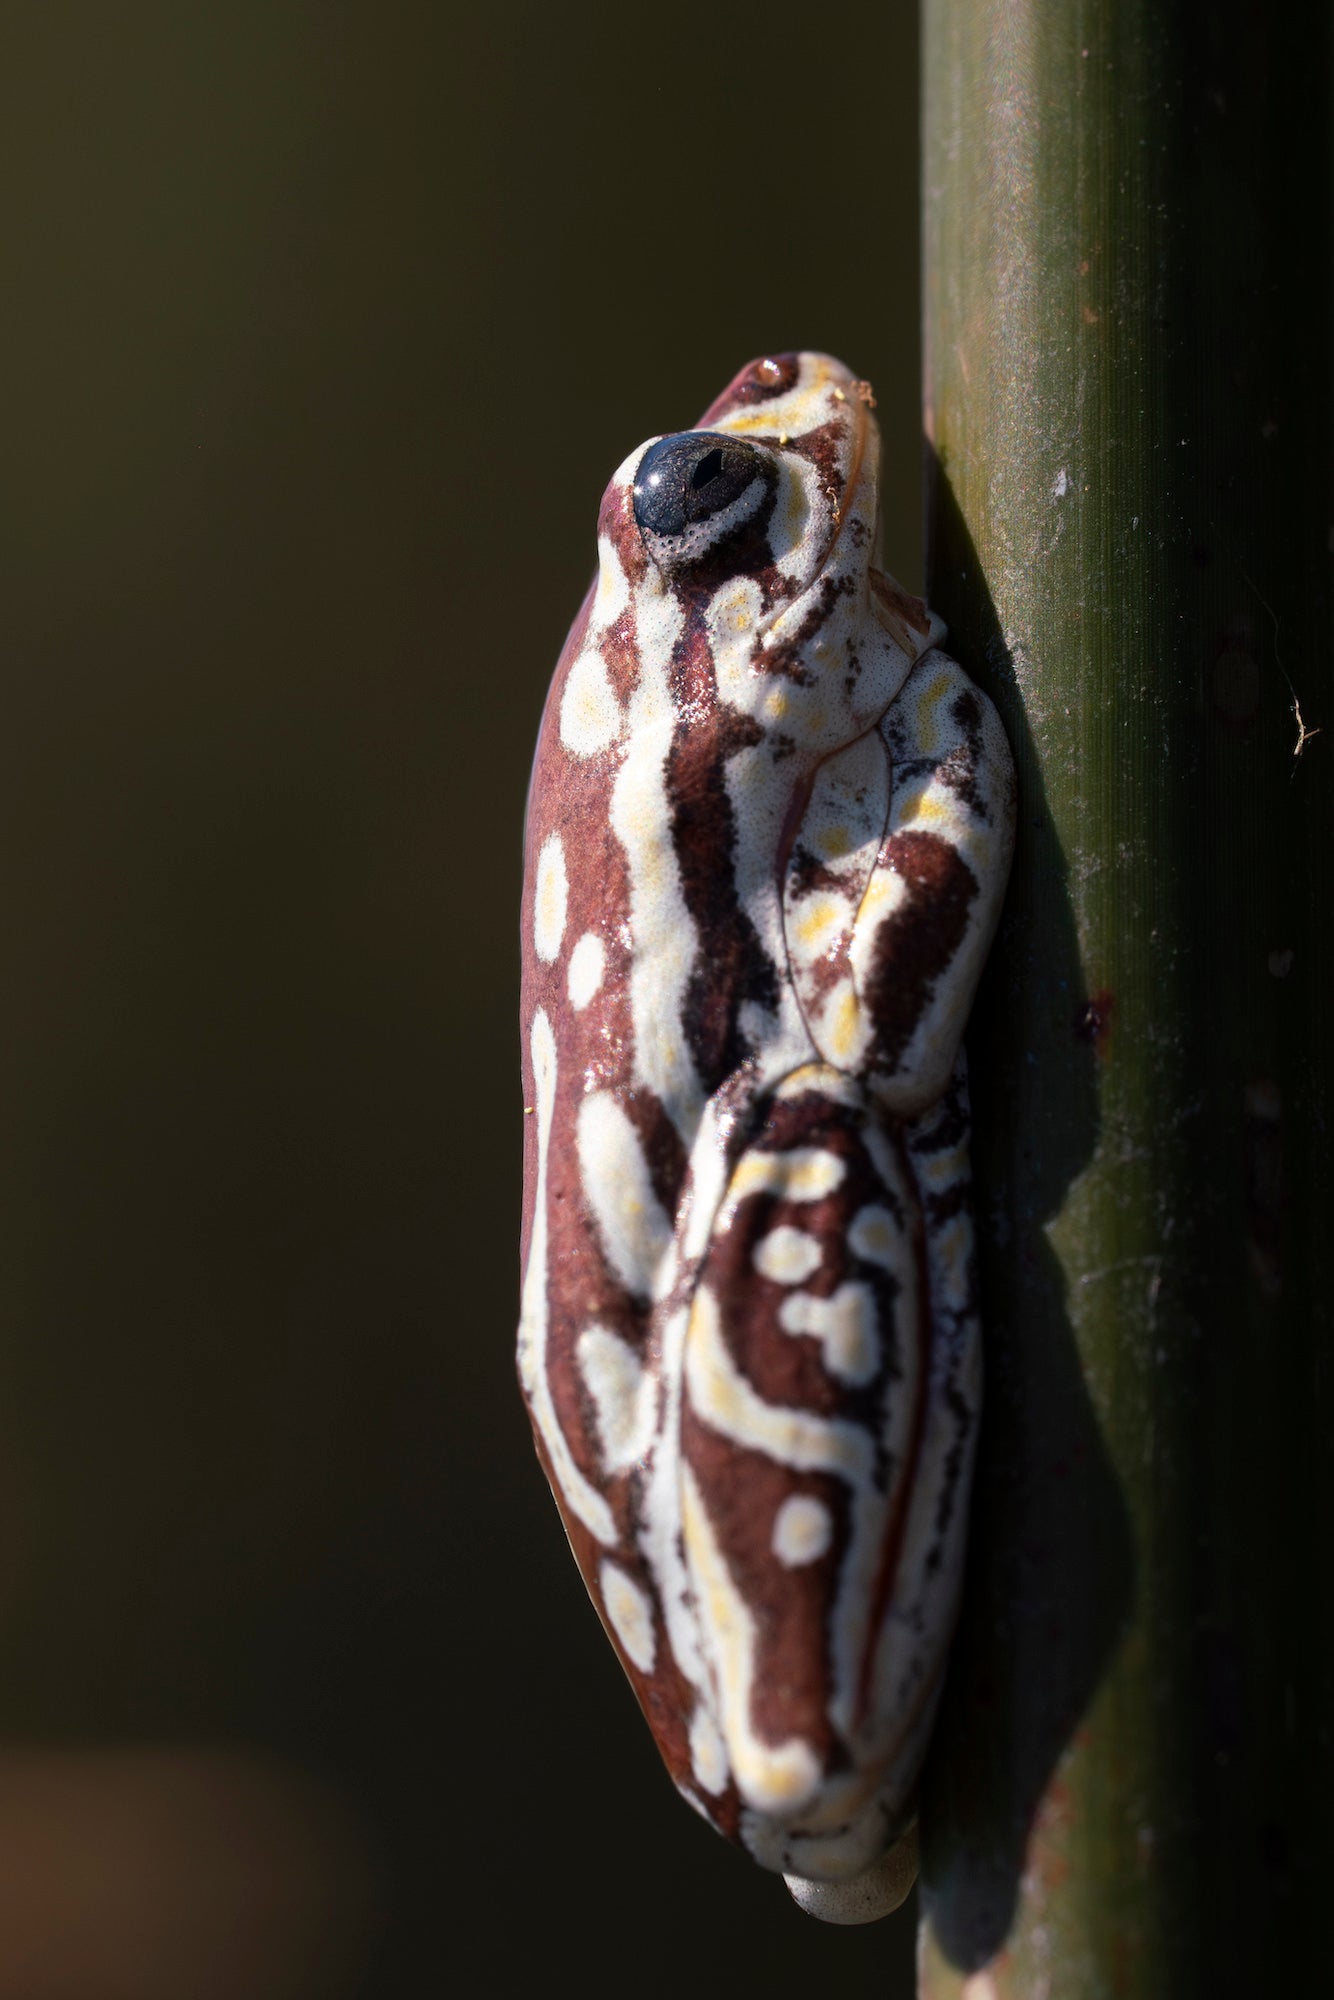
<point>876,1892</point>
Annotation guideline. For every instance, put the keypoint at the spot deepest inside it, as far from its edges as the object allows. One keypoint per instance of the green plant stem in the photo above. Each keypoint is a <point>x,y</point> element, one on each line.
<point>1128,334</point>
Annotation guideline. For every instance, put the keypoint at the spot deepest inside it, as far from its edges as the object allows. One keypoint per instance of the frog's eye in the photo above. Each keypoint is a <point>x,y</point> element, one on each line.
<point>694,491</point>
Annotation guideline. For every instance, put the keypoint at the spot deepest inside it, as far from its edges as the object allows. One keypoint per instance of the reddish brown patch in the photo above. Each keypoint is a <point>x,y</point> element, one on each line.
<point>743,1491</point>
<point>731,965</point>
<point>900,603</point>
<point>616,520</point>
<point>826,448</point>
<point>758,382</point>
<point>619,647</point>
<point>1093,1022</point>
<point>915,944</point>
<point>665,1696</point>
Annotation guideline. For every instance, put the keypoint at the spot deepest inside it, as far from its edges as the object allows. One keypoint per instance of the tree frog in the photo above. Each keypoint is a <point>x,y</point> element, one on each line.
<point>768,834</point>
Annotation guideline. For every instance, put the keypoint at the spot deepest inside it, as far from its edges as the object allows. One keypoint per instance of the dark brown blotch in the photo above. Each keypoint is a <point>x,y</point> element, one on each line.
<point>915,944</point>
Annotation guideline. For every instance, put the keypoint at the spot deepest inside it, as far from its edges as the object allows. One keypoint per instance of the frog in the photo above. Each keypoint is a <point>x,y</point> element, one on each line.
<point>767,838</point>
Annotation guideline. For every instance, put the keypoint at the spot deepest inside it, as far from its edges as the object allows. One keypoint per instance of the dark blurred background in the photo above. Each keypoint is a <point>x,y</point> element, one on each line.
<point>325,325</point>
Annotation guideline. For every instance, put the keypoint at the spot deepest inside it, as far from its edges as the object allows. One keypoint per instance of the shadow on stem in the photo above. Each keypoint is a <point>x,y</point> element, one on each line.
<point>1050,1561</point>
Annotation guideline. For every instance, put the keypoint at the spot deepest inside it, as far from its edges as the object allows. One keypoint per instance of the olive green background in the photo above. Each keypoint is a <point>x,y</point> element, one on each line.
<point>325,326</point>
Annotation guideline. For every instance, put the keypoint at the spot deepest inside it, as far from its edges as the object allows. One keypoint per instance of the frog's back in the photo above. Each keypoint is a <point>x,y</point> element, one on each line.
<point>748,1339</point>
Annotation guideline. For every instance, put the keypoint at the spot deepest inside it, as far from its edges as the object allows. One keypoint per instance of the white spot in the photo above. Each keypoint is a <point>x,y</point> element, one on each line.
<point>708,1752</point>
<point>584,1499</point>
<point>1060,486</point>
<point>613,591</point>
<point>875,1236</point>
<point>735,610</point>
<point>588,962</point>
<point>551,899</point>
<point>730,1404</point>
<point>805,1173</point>
<point>590,715</point>
<point>844,1324</point>
<point>631,1616</point>
<point>622,1396</point>
<point>787,1256</point>
<point>660,1538</point>
<point>772,1777</point>
<point>662,930</point>
<point>803,1530</point>
<point>635,1228</point>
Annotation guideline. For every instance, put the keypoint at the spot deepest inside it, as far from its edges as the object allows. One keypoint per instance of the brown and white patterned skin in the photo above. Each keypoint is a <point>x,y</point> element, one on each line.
<point>768,834</point>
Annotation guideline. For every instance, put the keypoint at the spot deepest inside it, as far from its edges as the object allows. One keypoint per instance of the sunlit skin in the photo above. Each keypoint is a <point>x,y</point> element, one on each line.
<point>768,834</point>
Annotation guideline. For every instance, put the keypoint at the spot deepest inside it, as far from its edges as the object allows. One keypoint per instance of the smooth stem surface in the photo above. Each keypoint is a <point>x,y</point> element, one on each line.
<point>1127,357</point>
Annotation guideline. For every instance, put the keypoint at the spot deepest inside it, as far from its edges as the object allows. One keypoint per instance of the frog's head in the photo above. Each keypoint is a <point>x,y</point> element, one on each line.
<point>805,422</point>
<point>761,522</point>
<point>776,482</point>
<point>736,572</point>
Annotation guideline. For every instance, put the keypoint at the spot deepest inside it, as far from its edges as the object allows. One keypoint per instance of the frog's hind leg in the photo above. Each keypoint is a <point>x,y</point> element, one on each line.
<point>805,1374</point>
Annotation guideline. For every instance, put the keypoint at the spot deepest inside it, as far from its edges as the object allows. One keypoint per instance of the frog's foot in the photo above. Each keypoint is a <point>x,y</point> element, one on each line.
<point>862,1899</point>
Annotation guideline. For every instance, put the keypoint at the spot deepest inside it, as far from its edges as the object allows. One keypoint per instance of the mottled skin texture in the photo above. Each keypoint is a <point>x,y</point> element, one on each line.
<point>768,834</point>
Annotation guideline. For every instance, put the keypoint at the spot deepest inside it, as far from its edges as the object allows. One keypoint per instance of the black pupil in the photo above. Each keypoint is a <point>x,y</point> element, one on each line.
<point>708,468</point>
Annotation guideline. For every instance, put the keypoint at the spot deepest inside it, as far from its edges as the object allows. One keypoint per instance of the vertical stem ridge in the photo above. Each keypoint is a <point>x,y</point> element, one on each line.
<point>1126,359</point>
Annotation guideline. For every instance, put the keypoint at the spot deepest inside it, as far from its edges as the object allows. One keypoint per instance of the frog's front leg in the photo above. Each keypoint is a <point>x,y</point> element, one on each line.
<point>894,885</point>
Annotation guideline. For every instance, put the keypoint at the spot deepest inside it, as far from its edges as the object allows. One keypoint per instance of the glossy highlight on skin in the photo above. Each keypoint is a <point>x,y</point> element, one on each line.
<point>768,834</point>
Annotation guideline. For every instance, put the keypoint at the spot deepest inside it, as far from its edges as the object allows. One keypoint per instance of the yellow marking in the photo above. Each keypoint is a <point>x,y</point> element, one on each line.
<point>806,1173</point>
<point>874,1235</point>
<point>939,1169</point>
<point>934,811</point>
<point>795,511</point>
<point>735,610</point>
<point>776,704</point>
<point>928,728</point>
<point>844,1022</point>
<point>834,841</point>
<point>823,917</point>
<point>754,420</point>
<point>884,889</point>
<point>811,1076</point>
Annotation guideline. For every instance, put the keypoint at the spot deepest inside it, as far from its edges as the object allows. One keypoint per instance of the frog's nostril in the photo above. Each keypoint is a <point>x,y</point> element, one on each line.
<point>708,468</point>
